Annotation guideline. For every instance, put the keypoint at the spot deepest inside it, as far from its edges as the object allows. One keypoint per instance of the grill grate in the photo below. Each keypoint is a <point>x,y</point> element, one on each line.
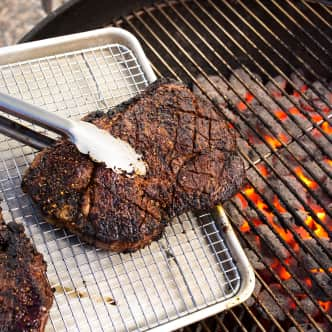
<point>237,53</point>
<point>188,269</point>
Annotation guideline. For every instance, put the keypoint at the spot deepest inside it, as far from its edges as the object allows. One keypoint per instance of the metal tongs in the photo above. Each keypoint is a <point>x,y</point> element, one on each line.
<point>89,139</point>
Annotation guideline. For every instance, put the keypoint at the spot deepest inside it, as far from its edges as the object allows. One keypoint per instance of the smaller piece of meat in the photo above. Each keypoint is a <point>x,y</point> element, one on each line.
<point>25,293</point>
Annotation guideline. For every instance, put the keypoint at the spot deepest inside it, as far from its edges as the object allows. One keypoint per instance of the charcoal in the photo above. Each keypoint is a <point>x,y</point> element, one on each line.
<point>321,259</point>
<point>292,182</point>
<point>255,262</point>
<point>251,214</point>
<point>291,127</point>
<point>311,146</point>
<point>210,90</point>
<point>257,180</point>
<point>298,151</point>
<point>278,82</point>
<point>315,169</point>
<point>293,286</point>
<point>280,167</point>
<point>273,307</point>
<point>235,216</point>
<point>325,283</point>
<point>272,242</point>
<point>308,306</point>
<point>286,194</point>
<point>306,328</point>
<point>320,88</point>
<point>296,79</point>
<point>244,148</point>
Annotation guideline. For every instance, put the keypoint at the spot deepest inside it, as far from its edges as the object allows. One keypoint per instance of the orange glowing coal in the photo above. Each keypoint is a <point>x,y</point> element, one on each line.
<point>278,205</point>
<point>326,128</point>
<point>263,170</point>
<point>316,228</point>
<point>325,305</point>
<point>273,142</point>
<point>281,115</point>
<point>245,227</point>
<point>307,181</point>
<point>249,97</point>
<point>241,106</point>
<point>328,161</point>
<point>316,117</point>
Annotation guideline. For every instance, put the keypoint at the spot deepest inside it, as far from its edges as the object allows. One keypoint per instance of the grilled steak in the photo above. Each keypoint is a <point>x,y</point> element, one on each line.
<point>25,294</point>
<point>192,164</point>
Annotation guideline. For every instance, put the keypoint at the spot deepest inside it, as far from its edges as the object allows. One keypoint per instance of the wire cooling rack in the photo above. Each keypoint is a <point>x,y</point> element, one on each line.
<point>190,268</point>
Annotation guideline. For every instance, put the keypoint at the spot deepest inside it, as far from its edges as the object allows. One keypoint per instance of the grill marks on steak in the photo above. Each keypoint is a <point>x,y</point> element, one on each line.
<point>25,294</point>
<point>192,164</point>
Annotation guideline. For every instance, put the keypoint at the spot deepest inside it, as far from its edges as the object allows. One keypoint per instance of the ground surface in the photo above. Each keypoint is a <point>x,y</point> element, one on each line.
<point>17,17</point>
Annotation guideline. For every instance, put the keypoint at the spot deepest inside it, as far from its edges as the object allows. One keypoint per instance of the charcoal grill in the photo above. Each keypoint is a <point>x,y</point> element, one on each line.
<point>267,66</point>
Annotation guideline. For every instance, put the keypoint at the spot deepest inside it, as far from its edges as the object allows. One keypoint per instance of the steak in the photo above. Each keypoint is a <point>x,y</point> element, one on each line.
<point>25,294</point>
<point>192,163</point>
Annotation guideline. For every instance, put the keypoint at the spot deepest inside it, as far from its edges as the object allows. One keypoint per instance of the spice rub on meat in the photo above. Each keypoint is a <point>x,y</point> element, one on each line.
<point>25,294</point>
<point>192,164</point>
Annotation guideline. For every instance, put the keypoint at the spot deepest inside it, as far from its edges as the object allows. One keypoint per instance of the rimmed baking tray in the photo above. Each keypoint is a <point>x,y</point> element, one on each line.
<point>197,269</point>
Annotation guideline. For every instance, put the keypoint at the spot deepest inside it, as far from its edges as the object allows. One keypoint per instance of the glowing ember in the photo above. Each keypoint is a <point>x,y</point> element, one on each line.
<point>245,227</point>
<point>316,117</point>
<point>325,305</point>
<point>263,170</point>
<point>328,161</point>
<point>281,115</point>
<point>278,205</point>
<point>308,182</point>
<point>241,106</point>
<point>249,97</point>
<point>283,137</point>
<point>274,143</point>
<point>326,127</point>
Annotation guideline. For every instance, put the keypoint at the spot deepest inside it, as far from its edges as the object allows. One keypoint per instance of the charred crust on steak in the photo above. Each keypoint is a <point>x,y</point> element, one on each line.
<point>25,294</point>
<point>192,164</point>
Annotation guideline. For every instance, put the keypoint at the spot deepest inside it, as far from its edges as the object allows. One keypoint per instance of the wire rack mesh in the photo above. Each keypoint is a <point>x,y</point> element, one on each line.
<point>190,268</point>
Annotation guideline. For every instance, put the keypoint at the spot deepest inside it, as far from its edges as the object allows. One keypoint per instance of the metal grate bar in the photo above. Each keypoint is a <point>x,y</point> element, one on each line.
<point>299,58</point>
<point>278,54</point>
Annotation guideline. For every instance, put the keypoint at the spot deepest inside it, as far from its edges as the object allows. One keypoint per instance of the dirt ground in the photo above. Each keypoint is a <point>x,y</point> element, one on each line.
<point>17,17</point>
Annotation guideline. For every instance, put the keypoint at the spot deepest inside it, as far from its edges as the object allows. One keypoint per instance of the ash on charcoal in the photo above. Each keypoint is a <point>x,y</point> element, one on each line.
<point>308,307</point>
<point>280,167</point>
<point>320,88</point>
<point>252,300</point>
<point>273,307</point>
<point>296,80</point>
<point>270,121</point>
<point>215,95</point>
<point>320,256</point>
<point>315,169</point>
<point>293,286</point>
<point>257,180</point>
<point>279,83</point>
<point>286,194</point>
<point>241,75</point>
<point>307,328</point>
<point>272,244</point>
<point>254,260</point>
<point>235,216</point>
<point>246,149</point>
<point>296,185</point>
<point>298,151</point>
<point>325,283</point>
